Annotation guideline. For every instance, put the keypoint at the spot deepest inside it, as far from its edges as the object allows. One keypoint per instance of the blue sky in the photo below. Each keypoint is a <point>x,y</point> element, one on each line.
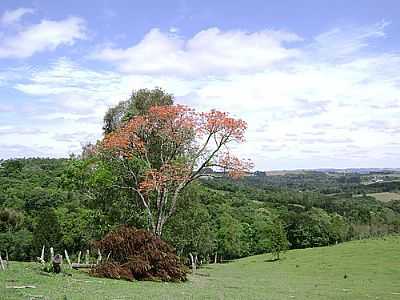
<point>318,83</point>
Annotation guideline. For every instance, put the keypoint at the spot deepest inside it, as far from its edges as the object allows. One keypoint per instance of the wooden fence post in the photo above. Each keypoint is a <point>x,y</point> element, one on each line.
<point>41,258</point>
<point>7,260</point>
<point>42,255</point>
<point>51,254</point>
<point>2,264</point>
<point>98,257</point>
<point>192,262</point>
<point>67,258</point>
<point>87,257</point>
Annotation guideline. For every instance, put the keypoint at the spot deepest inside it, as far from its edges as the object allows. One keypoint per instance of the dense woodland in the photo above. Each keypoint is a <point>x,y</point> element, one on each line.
<point>41,204</point>
<point>145,174</point>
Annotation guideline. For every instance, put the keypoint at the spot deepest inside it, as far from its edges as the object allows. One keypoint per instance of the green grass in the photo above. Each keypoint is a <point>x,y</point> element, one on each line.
<point>372,269</point>
<point>385,196</point>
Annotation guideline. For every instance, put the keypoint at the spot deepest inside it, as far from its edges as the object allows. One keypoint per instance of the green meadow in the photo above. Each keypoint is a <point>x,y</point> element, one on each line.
<point>365,269</point>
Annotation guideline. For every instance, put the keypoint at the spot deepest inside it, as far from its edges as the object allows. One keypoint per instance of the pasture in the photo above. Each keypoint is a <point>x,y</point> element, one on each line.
<point>385,196</point>
<point>366,269</point>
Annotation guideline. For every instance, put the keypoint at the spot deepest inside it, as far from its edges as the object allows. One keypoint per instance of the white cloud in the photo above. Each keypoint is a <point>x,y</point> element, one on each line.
<point>343,41</point>
<point>76,87</point>
<point>13,16</point>
<point>209,52</point>
<point>44,36</point>
<point>10,130</point>
<point>17,150</point>
<point>70,101</point>
<point>305,107</point>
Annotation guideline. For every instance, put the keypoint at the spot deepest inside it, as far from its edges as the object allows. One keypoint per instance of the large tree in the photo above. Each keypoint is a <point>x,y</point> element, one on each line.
<point>164,149</point>
<point>138,104</point>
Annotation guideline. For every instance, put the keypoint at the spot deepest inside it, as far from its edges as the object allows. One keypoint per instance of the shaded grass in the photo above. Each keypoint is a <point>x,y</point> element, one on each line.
<point>367,269</point>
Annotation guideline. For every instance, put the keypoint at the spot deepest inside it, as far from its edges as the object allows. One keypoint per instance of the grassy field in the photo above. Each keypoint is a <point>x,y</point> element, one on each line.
<point>386,196</point>
<point>367,269</point>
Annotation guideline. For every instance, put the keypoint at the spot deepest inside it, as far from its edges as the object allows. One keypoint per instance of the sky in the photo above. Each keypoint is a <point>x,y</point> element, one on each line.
<point>318,82</point>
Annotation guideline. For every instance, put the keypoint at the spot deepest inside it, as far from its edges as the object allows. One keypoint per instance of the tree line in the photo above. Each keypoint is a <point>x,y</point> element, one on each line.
<point>147,172</point>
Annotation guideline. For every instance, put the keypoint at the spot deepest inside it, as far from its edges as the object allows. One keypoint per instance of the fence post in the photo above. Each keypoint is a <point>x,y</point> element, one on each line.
<point>2,264</point>
<point>98,257</point>
<point>7,260</point>
<point>67,258</point>
<point>87,257</point>
<point>51,254</point>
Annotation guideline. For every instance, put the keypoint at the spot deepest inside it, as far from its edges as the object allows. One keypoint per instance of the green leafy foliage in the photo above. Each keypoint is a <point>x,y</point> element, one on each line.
<point>17,244</point>
<point>138,104</point>
<point>66,203</point>
<point>47,232</point>
<point>191,230</point>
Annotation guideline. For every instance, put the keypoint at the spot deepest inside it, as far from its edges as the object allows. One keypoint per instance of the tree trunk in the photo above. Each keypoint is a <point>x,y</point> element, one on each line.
<point>158,229</point>
<point>215,257</point>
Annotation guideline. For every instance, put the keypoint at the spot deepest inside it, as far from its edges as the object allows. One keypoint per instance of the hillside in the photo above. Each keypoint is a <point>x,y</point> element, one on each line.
<point>366,269</point>
<point>233,218</point>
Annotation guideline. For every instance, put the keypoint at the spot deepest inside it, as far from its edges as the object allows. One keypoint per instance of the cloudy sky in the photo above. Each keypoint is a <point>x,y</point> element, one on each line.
<point>317,81</point>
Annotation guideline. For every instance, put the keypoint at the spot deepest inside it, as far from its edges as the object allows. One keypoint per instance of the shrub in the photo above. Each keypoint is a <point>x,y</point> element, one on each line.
<point>18,244</point>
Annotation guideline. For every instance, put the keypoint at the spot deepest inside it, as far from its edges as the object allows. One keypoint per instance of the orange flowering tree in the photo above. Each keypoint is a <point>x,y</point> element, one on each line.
<point>166,149</point>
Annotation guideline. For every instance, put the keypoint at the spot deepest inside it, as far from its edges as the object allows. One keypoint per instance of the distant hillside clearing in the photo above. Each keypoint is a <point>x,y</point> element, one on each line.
<point>386,196</point>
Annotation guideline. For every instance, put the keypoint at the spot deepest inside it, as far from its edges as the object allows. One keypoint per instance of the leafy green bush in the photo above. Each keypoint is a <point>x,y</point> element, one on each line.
<point>18,244</point>
<point>47,232</point>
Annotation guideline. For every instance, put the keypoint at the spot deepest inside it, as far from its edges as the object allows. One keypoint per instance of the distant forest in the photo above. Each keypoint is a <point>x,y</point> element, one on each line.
<point>45,202</point>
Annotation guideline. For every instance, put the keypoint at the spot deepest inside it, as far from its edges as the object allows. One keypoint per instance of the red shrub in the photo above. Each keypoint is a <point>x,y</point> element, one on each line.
<point>138,254</point>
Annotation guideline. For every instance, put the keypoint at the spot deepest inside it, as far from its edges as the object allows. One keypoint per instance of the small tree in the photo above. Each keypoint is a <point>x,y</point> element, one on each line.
<point>190,229</point>
<point>164,150</point>
<point>269,235</point>
<point>230,237</point>
<point>47,232</point>
<point>279,242</point>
